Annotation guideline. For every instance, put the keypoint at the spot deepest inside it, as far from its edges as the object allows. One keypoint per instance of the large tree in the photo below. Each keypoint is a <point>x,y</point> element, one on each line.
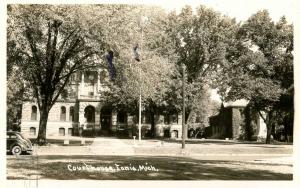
<point>51,45</point>
<point>150,77</point>
<point>201,40</point>
<point>262,69</point>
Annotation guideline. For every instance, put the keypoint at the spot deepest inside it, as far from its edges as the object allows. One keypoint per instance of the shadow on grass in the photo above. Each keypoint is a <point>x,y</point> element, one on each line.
<point>170,168</point>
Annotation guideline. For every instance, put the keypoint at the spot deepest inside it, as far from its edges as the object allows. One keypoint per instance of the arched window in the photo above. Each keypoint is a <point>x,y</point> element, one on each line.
<point>32,131</point>
<point>61,132</point>
<point>63,113</point>
<point>89,114</point>
<point>71,113</point>
<point>34,113</point>
<point>174,134</point>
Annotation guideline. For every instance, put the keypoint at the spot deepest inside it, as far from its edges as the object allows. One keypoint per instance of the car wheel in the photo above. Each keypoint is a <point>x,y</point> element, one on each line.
<point>16,150</point>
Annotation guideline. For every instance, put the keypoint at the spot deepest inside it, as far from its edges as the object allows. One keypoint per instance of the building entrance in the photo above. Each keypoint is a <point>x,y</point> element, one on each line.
<point>89,127</point>
<point>105,120</point>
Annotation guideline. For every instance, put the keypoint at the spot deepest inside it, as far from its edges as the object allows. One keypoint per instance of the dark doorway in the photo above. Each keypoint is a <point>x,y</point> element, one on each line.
<point>89,114</point>
<point>105,119</point>
<point>89,125</point>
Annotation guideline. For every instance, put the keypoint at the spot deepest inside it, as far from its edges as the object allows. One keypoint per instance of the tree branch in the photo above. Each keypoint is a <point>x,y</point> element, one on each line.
<point>73,69</point>
<point>59,91</point>
<point>261,115</point>
<point>54,43</point>
<point>67,55</point>
<point>48,42</point>
<point>67,38</point>
<point>33,48</point>
<point>36,91</point>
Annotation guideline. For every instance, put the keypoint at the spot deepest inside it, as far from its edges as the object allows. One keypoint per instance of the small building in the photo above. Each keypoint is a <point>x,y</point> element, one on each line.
<point>237,121</point>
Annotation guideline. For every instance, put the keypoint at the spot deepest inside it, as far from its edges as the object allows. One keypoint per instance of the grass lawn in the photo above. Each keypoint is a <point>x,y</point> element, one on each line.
<point>158,168</point>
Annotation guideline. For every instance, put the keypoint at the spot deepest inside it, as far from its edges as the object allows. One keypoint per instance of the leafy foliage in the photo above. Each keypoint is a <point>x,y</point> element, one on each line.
<point>50,48</point>
<point>201,42</point>
<point>255,74</point>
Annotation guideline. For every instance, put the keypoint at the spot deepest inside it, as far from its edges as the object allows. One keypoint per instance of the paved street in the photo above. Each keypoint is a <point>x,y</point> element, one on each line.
<point>201,160</point>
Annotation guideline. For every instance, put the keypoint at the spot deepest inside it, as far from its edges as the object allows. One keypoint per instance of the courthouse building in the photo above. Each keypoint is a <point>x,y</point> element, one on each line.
<point>82,107</point>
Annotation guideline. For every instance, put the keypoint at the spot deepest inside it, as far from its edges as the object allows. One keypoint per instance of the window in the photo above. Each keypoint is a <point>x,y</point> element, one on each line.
<point>13,136</point>
<point>90,77</point>
<point>103,77</point>
<point>61,132</point>
<point>174,134</point>
<point>63,113</point>
<point>71,113</point>
<point>171,118</point>
<point>70,130</point>
<point>73,78</point>
<point>32,131</point>
<point>174,118</point>
<point>147,118</point>
<point>166,119</point>
<point>33,113</point>
<point>122,117</point>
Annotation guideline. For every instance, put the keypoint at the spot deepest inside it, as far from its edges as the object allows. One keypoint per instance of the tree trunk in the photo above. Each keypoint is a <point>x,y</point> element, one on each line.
<point>152,112</point>
<point>152,119</point>
<point>285,129</point>
<point>269,130</point>
<point>269,127</point>
<point>268,123</point>
<point>41,139</point>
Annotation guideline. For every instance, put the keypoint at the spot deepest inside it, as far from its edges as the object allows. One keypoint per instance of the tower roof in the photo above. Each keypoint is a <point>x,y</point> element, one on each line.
<point>237,103</point>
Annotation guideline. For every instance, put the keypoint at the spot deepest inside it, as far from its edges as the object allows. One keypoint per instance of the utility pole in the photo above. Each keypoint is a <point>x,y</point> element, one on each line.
<point>183,106</point>
<point>140,114</point>
<point>76,110</point>
<point>140,95</point>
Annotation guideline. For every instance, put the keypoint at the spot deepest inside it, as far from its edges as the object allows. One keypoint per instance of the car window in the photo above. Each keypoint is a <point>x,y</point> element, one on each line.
<point>13,136</point>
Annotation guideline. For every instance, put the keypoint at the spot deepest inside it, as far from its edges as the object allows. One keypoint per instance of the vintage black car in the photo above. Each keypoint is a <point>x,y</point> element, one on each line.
<point>17,144</point>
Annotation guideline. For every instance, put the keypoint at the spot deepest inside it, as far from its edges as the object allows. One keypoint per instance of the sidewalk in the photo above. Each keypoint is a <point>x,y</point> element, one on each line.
<point>118,147</point>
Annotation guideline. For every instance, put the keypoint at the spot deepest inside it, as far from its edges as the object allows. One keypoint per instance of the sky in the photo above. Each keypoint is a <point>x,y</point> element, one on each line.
<point>241,9</point>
